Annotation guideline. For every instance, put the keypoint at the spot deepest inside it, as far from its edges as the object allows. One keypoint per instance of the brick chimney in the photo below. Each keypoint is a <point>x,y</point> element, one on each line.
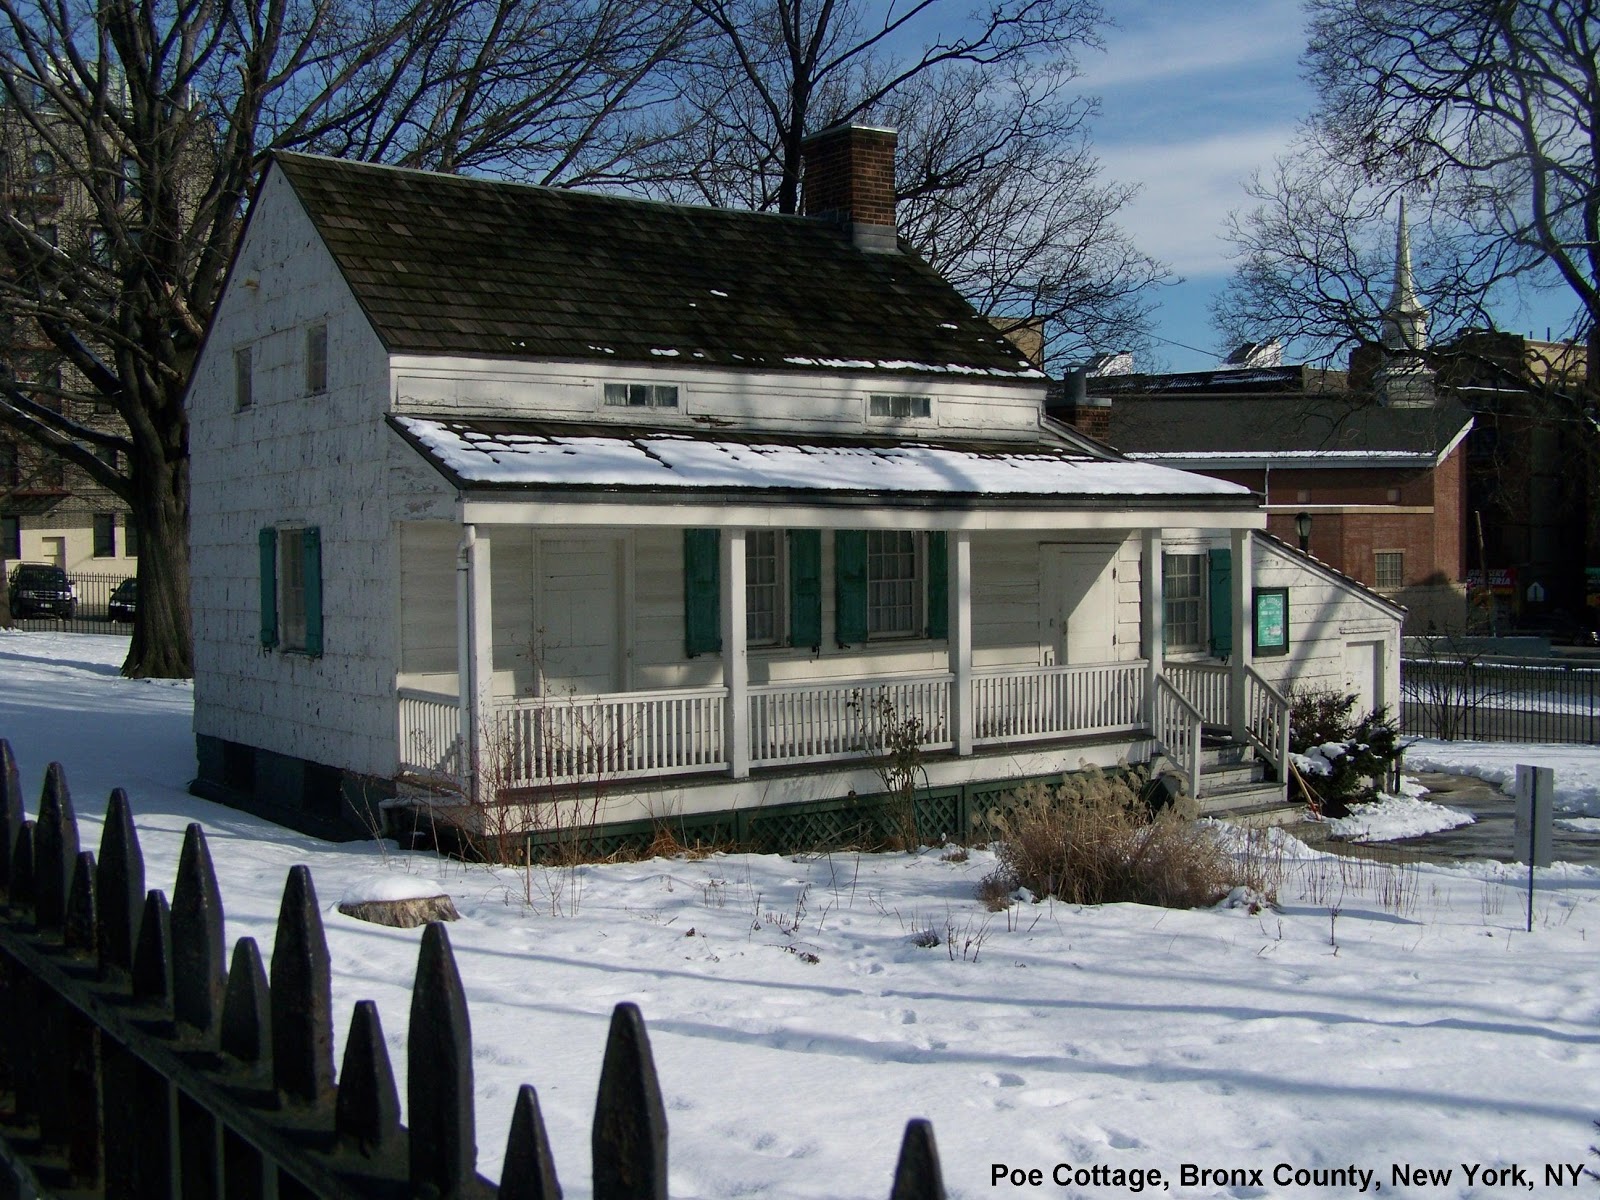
<point>1070,403</point>
<point>848,177</point>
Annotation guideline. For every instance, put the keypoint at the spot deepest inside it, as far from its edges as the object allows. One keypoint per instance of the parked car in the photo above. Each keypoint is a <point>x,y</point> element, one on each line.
<point>124,601</point>
<point>42,590</point>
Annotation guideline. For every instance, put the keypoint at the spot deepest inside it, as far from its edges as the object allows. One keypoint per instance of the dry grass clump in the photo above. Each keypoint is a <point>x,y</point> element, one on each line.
<point>1096,841</point>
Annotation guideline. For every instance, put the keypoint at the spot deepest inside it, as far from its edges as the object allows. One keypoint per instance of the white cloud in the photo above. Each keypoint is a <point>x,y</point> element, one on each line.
<point>1188,188</point>
<point>1153,43</point>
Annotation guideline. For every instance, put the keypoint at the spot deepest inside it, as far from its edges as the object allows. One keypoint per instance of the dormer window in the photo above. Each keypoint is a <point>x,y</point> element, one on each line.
<point>641,395</point>
<point>900,408</point>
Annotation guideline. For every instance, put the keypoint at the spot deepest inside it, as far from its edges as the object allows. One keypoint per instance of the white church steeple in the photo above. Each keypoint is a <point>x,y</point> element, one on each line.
<point>1405,380</point>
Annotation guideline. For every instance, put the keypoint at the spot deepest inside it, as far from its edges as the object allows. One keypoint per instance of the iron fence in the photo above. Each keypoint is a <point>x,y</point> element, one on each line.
<point>91,612</point>
<point>1467,699</point>
<point>134,1062</point>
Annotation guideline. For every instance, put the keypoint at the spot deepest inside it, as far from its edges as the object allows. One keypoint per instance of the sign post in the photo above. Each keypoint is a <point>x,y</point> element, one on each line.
<point>1533,829</point>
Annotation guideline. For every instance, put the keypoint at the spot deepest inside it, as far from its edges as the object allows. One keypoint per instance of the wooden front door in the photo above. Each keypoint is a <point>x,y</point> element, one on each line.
<point>576,646</point>
<point>1079,603</point>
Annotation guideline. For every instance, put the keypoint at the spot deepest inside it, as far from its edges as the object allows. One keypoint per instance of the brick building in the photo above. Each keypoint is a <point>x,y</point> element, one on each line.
<point>50,510</point>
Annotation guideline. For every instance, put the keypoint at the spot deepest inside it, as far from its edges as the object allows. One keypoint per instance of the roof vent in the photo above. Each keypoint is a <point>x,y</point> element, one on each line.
<point>1257,354</point>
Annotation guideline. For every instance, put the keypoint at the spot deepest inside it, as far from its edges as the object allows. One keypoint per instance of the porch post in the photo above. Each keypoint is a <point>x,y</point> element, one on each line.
<point>735,664</point>
<point>475,641</point>
<point>1243,632</point>
<point>1153,610</point>
<point>959,594</point>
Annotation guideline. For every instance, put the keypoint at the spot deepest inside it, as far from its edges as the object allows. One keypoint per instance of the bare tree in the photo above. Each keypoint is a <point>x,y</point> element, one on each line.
<point>1484,109</point>
<point>135,133</point>
<point>999,190</point>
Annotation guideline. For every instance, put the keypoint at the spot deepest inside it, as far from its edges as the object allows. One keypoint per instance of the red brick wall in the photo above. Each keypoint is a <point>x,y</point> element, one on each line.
<point>849,173</point>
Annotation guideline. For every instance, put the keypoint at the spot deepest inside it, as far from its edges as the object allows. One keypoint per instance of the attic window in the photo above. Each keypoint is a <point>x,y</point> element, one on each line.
<point>642,395</point>
<point>900,408</point>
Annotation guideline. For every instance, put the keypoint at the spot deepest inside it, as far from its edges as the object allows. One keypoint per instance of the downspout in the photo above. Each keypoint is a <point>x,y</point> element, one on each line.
<point>466,689</point>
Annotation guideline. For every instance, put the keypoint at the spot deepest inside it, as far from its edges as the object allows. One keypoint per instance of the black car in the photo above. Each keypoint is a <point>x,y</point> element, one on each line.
<point>42,590</point>
<point>124,601</point>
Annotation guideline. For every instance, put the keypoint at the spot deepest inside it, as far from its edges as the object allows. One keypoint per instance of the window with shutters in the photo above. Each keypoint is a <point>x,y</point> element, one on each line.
<point>291,589</point>
<point>764,587</point>
<point>1183,601</point>
<point>894,583</point>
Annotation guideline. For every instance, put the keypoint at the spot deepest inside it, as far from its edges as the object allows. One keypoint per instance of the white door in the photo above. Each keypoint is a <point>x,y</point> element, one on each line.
<point>55,551</point>
<point>1363,675</point>
<point>576,648</point>
<point>1080,603</point>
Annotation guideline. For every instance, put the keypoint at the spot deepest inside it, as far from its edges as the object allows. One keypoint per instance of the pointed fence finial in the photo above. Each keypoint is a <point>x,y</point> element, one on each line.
<point>119,885</point>
<point>246,1007</point>
<point>78,929</point>
<point>439,1071</point>
<point>152,958</point>
<point>367,1111</point>
<point>11,815</point>
<point>629,1140</point>
<point>55,849</point>
<point>917,1175</point>
<point>302,996</point>
<point>529,1171</point>
<point>198,973</point>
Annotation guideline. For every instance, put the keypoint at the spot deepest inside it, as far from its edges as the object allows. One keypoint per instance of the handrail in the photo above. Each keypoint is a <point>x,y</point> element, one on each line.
<point>1267,721</point>
<point>1175,725</point>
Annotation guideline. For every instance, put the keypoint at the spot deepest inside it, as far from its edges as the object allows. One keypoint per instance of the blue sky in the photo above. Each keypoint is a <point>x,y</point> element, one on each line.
<point>1195,95</point>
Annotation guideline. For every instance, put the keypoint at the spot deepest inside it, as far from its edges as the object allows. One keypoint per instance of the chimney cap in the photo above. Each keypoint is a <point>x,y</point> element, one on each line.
<point>848,127</point>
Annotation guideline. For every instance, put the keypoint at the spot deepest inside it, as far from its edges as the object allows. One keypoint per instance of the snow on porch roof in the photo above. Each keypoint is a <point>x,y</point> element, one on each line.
<point>506,454</point>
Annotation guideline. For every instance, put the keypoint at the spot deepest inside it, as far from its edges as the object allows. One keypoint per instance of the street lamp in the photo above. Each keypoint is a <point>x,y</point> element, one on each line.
<point>1302,526</point>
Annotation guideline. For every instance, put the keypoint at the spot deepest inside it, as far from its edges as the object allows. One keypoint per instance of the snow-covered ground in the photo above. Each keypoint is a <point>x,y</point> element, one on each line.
<point>1380,1019</point>
<point>1576,768</point>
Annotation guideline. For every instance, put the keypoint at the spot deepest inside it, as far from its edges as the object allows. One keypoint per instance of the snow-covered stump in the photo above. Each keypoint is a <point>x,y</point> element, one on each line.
<point>403,901</point>
<point>149,1066</point>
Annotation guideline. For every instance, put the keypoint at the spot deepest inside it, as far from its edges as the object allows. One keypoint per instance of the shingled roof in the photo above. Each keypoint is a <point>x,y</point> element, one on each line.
<point>444,264</point>
<point>1191,429</point>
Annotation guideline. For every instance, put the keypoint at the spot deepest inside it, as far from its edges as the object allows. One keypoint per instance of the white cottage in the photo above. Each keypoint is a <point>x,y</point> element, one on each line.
<point>500,490</point>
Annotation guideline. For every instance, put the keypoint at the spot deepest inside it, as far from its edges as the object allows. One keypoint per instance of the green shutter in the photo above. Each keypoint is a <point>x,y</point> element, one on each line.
<point>311,551</point>
<point>850,586</point>
<point>269,587</point>
<point>805,587</point>
<point>938,585</point>
<point>702,603</point>
<point>1219,582</point>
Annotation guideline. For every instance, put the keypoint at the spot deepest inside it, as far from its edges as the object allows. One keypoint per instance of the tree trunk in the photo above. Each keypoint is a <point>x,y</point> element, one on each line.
<point>163,633</point>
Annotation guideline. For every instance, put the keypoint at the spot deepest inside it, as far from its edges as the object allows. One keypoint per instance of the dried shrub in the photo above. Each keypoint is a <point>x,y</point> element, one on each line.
<point>1096,841</point>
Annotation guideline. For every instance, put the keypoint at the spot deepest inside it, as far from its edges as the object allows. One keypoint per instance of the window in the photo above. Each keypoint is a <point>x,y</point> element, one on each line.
<point>10,537</point>
<point>317,359</point>
<point>105,535</point>
<point>44,173</point>
<point>10,471</point>
<point>763,587</point>
<point>128,179</point>
<point>642,395</point>
<point>130,538</point>
<point>107,455</point>
<point>1389,569</point>
<point>291,589</point>
<point>894,584</point>
<point>1183,601</point>
<point>99,247</point>
<point>900,408</point>
<point>242,396</point>
<point>53,471</point>
<point>50,233</point>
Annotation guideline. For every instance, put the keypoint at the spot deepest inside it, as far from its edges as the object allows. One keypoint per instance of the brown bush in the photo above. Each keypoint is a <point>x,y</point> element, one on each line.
<point>1095,841</point>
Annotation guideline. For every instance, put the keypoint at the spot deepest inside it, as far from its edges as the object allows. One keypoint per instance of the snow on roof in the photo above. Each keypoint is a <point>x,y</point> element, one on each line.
<point>478,455</point>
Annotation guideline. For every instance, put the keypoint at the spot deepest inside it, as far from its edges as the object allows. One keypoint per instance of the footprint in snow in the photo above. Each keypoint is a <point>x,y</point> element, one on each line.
<point>1000,1079</point>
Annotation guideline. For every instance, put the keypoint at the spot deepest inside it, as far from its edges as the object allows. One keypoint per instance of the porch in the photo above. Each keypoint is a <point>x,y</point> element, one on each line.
<point>555,744</point>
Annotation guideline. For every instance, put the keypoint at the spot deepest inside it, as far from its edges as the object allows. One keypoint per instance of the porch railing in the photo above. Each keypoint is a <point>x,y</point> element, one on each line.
<point>1267,720</point>
<point>1029,703</point>
<point>1204,685</point>
<point>430,734</point>
<point>562,739</point>
<point>1176,725</point>
<point>798,723</point>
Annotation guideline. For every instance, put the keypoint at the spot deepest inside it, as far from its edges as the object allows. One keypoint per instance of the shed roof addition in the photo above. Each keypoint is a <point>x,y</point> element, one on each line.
<point>444,264</point>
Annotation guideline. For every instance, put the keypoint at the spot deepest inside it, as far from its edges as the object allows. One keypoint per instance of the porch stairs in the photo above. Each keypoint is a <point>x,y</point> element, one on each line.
<point>1234,783</point>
